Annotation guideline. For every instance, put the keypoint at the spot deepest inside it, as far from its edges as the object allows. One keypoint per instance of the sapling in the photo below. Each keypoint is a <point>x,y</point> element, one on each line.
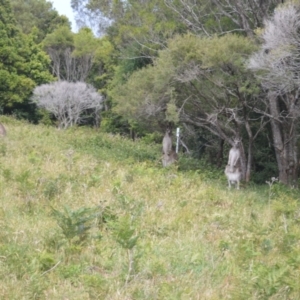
<point>125,235</point>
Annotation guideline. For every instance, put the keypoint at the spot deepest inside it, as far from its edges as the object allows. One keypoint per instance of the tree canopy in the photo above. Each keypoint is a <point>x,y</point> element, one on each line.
<point>22,62</point>
<point>39,14</point>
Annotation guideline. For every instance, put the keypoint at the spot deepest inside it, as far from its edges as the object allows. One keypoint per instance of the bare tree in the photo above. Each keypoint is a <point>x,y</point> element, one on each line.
<point>65,66</point>
<point>68,101</point>
<point>277,65</point>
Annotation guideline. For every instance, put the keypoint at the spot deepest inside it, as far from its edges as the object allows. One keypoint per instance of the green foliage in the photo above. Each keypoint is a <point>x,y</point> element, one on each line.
<point>85,43</point>
<point>270,280</point>
<point>45,117</point>
<point>19,260</point>
<point>46,260</point>
<point>104,66</point>
<point>75,224</point>
<point>113,123</point>
<point>127,150</point>
<point>152,138</point>
<point>39,14</point>
<point>61,38</point>
<point>71,271</point>
<point>159,92</point>
<point>23,64</point>
<point>124,232</point>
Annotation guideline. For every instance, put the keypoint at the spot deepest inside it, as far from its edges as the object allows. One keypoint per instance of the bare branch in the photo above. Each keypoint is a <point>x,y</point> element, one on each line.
<point>67,101</point>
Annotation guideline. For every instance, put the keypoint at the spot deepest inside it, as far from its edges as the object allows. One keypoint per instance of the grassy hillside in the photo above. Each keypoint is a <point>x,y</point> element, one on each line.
<point>86,215</point>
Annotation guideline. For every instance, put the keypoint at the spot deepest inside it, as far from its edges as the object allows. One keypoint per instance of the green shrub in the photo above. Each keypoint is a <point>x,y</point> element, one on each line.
<point>75,224</point>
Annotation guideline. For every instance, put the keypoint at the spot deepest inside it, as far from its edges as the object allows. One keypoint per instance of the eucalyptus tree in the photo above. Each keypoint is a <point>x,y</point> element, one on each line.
<point>277,66</point>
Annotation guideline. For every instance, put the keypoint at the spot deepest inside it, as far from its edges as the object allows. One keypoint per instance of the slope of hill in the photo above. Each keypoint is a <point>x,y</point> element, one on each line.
<point>86,215</point>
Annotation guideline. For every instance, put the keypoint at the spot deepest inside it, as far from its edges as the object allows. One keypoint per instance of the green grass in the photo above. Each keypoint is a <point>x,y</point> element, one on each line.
<point>86,215</point>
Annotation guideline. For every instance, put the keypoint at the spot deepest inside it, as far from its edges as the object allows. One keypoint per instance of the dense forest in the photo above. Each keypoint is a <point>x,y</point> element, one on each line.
<point>218,69</point>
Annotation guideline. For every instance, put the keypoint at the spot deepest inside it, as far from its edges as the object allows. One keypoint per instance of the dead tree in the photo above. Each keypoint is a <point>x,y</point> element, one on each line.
<point>69,102</point>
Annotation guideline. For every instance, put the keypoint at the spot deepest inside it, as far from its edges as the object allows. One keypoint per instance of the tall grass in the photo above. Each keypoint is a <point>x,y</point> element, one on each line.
<point>86,215</point>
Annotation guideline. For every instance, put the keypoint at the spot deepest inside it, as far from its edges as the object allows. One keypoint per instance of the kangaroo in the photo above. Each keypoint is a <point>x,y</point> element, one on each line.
<point>167,142</point>
<point>232,170</point>
<point>169,159</point>
<point>234,155</point>
<point>2,130</point>
<point>234,176</point>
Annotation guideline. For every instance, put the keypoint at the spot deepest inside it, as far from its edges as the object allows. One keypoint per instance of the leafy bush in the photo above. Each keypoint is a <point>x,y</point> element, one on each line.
<point>75,224</point>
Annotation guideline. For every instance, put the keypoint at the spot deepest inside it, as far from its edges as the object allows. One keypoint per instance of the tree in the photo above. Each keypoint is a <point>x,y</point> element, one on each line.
<point>39,14</point>
<point>72,54</point>
<point>87,14</point>
<point>86,48</point>
<point>59,45</point>
<point>277,66</point>
<point>222,16</point>
<point>68,101</point>
<point>23,64</point>
<point>141,26</point>
<point>202,82</point>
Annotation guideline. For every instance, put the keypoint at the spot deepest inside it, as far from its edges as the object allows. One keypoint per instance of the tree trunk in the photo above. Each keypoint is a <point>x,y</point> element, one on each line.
<point>220,153</point>
<point>243,161</point>
<point>249,161</point>
<point>250,145</point>
<point>284,140</point>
